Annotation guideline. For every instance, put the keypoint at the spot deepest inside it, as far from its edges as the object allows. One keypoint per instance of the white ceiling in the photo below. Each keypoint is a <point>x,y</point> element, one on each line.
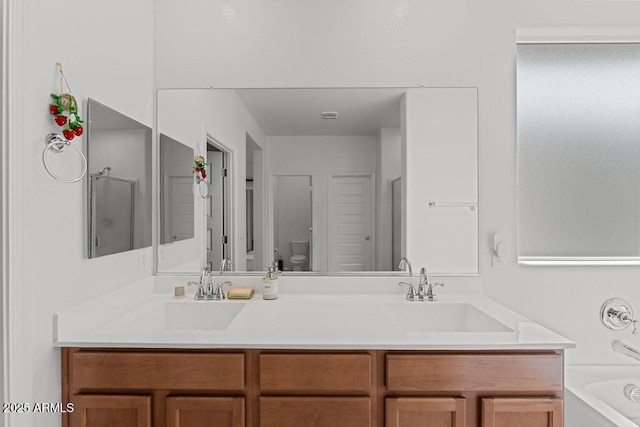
<point>362,111</point>
<point>104,118</point>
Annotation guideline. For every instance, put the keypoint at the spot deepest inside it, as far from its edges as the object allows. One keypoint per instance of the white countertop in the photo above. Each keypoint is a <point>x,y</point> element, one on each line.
<point>137,316</point>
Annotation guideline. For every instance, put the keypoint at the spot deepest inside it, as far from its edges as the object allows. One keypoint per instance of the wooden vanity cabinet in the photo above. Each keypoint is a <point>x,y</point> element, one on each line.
<point>268,388</point>
<point>320,389</point>
<point>491,389</point>
<point>163,388</point>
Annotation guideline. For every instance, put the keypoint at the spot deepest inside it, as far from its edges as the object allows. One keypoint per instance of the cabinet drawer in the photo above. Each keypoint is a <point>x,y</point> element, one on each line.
<point>474,372</point>
<point>315,411</point>
<point>140,370</point>
<point>315,373</point>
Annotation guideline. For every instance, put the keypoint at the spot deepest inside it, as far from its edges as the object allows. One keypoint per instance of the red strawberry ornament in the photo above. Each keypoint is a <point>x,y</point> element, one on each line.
<point>68,134</point>
<point>61,120</point>
<point>54,109</point>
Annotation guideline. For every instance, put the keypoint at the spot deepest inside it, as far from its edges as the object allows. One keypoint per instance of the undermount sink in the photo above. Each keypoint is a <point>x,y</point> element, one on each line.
<point>201,315</point>
<point>189,315</point>
<point>441,317</point>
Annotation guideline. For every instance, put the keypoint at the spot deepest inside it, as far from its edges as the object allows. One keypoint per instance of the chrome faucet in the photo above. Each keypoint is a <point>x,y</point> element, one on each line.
<point>201,291</point>
<point>617,314</point>
<point>425,288</point>
<point>404,263</point>
<point>216,293</point>
<point>626,349</point>
<point>225,265</point>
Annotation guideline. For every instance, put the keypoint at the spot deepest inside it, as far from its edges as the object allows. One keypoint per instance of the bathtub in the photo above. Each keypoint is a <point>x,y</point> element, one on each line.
<point>594,396</point>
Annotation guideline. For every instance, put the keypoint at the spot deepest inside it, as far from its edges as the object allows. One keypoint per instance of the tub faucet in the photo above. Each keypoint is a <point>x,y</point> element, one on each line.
<point>626,349</point>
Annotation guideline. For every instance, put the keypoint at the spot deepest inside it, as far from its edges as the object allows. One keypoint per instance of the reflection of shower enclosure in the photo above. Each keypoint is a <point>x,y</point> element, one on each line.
<point>112,215</point>
<point>292,221</point>
<point>396,221</point>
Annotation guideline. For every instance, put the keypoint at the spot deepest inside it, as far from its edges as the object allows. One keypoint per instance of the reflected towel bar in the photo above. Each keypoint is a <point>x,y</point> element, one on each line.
<point>471,205</point>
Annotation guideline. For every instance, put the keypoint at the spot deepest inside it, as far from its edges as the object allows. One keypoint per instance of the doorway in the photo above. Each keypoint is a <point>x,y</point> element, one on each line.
<point>351,223</point>
<point>218,203</point>
<point>292,222</point>
<point>255,221</point>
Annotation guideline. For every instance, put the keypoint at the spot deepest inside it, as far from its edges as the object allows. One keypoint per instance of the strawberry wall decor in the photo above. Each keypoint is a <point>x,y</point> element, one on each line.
<point>200,176</point>
<point>200,184</point>
<point>200,168</point>
<point>64,109</point>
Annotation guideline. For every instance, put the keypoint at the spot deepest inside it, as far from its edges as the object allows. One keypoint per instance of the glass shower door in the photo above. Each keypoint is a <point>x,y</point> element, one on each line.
<point>112,213</point>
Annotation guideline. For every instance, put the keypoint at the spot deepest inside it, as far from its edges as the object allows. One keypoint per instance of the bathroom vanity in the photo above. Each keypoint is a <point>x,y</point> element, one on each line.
<point>172,387</point>
<point>139,357</point>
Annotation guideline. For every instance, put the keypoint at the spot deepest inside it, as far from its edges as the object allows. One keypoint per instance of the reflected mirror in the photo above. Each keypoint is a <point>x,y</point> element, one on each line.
<point>176,196</point>
<point>119,184</point>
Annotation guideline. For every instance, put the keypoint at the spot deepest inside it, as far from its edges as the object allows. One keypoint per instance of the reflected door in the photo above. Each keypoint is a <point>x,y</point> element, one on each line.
<point>351,221</point>
<point>179,209</point>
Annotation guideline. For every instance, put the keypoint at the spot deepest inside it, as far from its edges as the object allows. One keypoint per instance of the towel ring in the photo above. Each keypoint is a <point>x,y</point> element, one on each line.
<point>58,144</point>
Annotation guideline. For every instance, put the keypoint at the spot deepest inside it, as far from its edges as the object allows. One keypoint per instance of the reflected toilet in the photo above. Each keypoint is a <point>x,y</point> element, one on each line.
<point>299,250</point>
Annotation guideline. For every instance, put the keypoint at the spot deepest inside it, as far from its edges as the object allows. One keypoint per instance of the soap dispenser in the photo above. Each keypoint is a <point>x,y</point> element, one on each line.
<point>270,283</point>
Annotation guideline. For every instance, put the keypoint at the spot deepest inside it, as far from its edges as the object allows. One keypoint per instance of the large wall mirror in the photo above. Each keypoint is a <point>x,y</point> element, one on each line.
<point>312,179</point>
<point>578,153</point>
<point>119,184</point>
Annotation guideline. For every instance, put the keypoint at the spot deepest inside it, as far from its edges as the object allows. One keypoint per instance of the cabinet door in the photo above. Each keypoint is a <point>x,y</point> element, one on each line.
<point>522,412</point>
<point>315,412</point>
<point>425,412</point>
<point>111,410</point>
<point>196,411</point>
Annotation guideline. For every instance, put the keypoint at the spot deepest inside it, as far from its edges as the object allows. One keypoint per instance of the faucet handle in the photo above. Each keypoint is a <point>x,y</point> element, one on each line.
<point>617,314</point>
<point>218,293</point>
<point>200,293</point>
<point>411,294</point>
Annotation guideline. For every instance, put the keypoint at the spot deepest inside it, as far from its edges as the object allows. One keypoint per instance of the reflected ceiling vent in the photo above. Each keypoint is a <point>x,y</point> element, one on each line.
<point>329,115</point>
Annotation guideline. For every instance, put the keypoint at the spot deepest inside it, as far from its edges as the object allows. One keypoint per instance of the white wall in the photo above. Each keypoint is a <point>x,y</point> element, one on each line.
<point>2,284</point>
<point>48,269</point>
<point>320,157</point>
<point>413,43</point>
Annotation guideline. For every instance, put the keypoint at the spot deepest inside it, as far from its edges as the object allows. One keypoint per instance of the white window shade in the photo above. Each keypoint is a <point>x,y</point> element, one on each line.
<point>578,153</point>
